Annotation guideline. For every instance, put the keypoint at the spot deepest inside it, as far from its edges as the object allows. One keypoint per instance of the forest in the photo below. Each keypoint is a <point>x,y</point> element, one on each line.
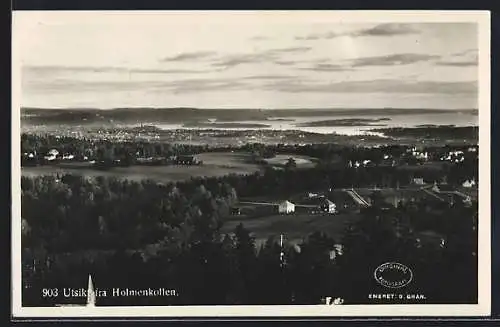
<point>147,234</point>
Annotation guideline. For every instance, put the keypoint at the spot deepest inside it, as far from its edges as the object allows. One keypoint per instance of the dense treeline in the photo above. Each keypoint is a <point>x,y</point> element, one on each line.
<point>92,149</point>
<point>145,234</point>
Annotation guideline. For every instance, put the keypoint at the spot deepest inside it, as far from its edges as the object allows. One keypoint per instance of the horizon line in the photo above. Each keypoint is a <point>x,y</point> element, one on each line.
<point>242,108</point>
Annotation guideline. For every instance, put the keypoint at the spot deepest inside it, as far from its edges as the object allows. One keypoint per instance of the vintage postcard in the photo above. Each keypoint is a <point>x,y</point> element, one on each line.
<point>250,164</point>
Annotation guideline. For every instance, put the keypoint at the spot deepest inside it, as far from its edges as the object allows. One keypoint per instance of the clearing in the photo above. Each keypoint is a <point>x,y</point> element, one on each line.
<point>295,227</point>
<point>214,164</point>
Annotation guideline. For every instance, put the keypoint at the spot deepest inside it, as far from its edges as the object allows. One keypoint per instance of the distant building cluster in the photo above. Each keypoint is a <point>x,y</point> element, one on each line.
<point>469,183</point>
<point>108,156</point>
<point>418,153</point>
<point>453,156</point>
<point>323,205</point>
<point>52,155</point>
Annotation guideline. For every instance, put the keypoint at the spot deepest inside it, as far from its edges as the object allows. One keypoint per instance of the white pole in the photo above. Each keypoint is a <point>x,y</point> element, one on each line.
<point>282,254</point>
<point>90,293</point>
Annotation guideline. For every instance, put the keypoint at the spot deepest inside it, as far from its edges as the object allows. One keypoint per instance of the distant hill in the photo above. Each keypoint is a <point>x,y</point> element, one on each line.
<point>185,115</point>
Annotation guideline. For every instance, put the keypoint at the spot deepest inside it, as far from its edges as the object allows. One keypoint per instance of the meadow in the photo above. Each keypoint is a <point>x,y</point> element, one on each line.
<point>215,164</point>
<point>295,227</point>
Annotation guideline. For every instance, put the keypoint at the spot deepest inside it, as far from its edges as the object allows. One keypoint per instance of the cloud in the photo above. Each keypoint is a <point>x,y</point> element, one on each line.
<point>267,77</point>
<point>104,69</point>
<point>217,86</point>
<point>285,62</point>
<point>190,56</point>
<point>236,60</point>
<point>259,38</point>
<point>375,86</point>
<point>324,36</point>
<point>327,68</point>
<point>378,30</point>
<point>175,86</point>
<point>464,58</point>
<point>457,63</point>
<point>71,85</point>
<point>468,52</point>
<point>388,30</point>
<point>196,82</point>
<point>295,62</point>
<point>391,60</point>
<point>272,55</point>
<point>289,50</point>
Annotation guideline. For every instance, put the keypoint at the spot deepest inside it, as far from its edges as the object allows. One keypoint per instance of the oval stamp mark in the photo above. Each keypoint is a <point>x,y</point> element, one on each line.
<point>393,275</point>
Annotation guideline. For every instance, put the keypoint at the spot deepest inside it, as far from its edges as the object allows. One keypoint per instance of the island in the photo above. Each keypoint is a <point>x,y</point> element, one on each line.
<point>224,125</point>
<point>433,126</point>
<point>345,122</point>
<point>279,119</point>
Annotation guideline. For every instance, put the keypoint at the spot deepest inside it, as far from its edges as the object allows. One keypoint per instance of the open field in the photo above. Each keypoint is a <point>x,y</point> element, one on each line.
<point>300,161</point>
<point>298,198</point>
<point>227,159</point>
<point>295,227</point>
<point>215,164</point>
<point>391,195</point>
<point>259,215</point>
<point>301,200</point>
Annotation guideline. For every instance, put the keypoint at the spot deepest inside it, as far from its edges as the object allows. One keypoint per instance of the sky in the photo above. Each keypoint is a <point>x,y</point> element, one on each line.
<point>109,60</point>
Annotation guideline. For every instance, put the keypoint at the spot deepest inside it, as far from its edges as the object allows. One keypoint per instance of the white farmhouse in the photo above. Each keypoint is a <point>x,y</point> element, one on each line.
<point>53,152</point>
<point>52,155</point>
<point>418,181</point>
<point>68,156</point>
<point>328,206</point>
<point>469,183</point>
<point>286,207</point>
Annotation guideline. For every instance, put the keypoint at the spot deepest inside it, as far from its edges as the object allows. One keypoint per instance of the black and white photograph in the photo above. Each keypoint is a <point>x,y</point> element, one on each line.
<point>246,163</point>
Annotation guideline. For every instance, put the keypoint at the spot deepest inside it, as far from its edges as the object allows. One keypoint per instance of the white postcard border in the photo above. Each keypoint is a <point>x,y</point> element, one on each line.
<point>482,18</point>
